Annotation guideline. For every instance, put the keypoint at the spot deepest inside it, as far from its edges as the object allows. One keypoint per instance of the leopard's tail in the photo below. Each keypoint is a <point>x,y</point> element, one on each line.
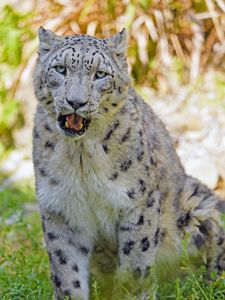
<point>200,220</point>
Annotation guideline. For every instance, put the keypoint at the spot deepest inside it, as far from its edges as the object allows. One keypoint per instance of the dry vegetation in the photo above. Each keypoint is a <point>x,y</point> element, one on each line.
<point>193,32</point>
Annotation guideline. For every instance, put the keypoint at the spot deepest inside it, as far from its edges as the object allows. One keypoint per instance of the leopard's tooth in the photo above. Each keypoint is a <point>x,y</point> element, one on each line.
<point>80,126</point>
<point>67,124</point>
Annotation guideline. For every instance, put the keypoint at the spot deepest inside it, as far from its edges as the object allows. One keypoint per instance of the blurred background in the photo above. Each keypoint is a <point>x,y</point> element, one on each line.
<point>176,59</point>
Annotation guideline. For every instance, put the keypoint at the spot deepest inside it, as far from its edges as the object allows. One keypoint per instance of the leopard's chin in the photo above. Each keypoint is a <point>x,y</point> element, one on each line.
<point>73,125</point>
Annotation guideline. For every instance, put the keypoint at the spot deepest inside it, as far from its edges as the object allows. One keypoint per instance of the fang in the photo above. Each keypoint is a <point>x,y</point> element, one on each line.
<point>80,126</point>
<point>67,124</point>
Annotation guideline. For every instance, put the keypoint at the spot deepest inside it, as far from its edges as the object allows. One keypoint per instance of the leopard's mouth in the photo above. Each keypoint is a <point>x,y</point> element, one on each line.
<point>73,124</point>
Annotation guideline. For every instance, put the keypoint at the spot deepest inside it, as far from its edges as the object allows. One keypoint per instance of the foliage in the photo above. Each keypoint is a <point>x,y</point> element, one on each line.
<point>14,33</point>
<point>190,31</point>
<point>24,266</point>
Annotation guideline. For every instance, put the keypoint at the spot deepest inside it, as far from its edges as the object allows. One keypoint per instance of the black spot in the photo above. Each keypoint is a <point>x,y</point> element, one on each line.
<point>114,104</point>
<point>70,241</point>
<point>152,161</point>
<point>67,293</point>
<point>49,102</point>
<point>183,220</point>
<point>53,181</point>
<point>36,163</point>
<point>116,124</point>
<point>147,271</point>
<point>157,236</point>
<point>142,186</point>
<point>108,135</point>
<point>140,133</point>
<point>52,236</point>
<point>43,172</point>
<point>128,246</point>
<point>43,225</point>
<point>162,234</point>
<point>43,98</point>
<point>125,165</point>
<point>36,134</point>
<point>50,257</point>
<point>149,222</point>
<point>84,250</point>
<point>126,136</point>
<point>131,193</point>
<point>218,264</point>
<point>137,273</point>
<point>147,170</point>
<point>220,240</point>
<point>198,240</point>
<point>145,244</point>
<point>140,155</point>
<point>75,268</point>
<point>76,283</point>
<point>110,132</point>
<point>150,200</point>
<point>125,228</point>
<point>205,227</point>
<point>141,220</point>
<point>105,148</point>
<point>57,281</point>
<point>50,145</point>
<point>195,192</point>
<point>123,110</point>
<point>105,109</point>
<point>47,127</point>
<point>61,256</point>
<point>114,175</point>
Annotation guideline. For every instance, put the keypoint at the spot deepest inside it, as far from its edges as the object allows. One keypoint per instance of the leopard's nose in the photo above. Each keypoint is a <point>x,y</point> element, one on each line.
<point>76,103</point>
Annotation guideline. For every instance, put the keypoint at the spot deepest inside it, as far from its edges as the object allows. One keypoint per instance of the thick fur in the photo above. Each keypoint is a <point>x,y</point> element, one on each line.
<point>116,198</point>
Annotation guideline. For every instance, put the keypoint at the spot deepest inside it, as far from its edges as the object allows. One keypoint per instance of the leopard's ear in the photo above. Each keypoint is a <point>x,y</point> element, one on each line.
<point>118,42</point>
<point>47,40</point>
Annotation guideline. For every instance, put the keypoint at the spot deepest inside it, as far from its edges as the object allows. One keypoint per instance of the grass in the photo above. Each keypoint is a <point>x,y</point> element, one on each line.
<point>24,266</point>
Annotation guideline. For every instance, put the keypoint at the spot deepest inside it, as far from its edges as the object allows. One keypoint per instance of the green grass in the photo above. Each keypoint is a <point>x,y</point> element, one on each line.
<point>24,266</point>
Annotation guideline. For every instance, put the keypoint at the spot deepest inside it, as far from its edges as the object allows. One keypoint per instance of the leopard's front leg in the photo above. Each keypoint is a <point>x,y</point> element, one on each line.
<point>69,253</point>
<point>138,236</point>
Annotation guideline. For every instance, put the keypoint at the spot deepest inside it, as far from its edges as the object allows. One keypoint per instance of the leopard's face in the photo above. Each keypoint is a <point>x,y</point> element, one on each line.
<point>75,75</point>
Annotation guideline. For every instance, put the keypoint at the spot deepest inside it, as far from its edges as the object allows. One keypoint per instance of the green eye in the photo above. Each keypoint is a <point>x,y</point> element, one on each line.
<point>100,74</point>
<point>61,70</point>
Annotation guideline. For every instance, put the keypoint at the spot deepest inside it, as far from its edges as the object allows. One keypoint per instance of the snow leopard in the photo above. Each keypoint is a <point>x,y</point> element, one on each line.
<point>114,199</point>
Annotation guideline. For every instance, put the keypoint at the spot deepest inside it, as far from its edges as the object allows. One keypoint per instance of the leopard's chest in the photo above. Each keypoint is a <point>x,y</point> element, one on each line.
<point>85,194</point>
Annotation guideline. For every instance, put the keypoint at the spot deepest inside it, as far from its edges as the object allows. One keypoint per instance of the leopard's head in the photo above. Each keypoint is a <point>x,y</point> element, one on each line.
<point>76,76</point>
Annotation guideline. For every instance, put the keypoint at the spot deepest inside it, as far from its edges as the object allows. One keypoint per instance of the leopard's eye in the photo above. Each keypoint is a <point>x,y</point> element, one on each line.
<point>100,74</point>
<point>61,69</point>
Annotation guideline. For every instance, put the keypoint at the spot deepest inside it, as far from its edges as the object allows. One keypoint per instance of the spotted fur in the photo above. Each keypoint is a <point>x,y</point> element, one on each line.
<point>116,197</point>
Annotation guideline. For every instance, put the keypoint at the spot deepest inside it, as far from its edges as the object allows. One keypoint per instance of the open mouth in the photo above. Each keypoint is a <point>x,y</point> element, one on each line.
<point>73,124</point>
